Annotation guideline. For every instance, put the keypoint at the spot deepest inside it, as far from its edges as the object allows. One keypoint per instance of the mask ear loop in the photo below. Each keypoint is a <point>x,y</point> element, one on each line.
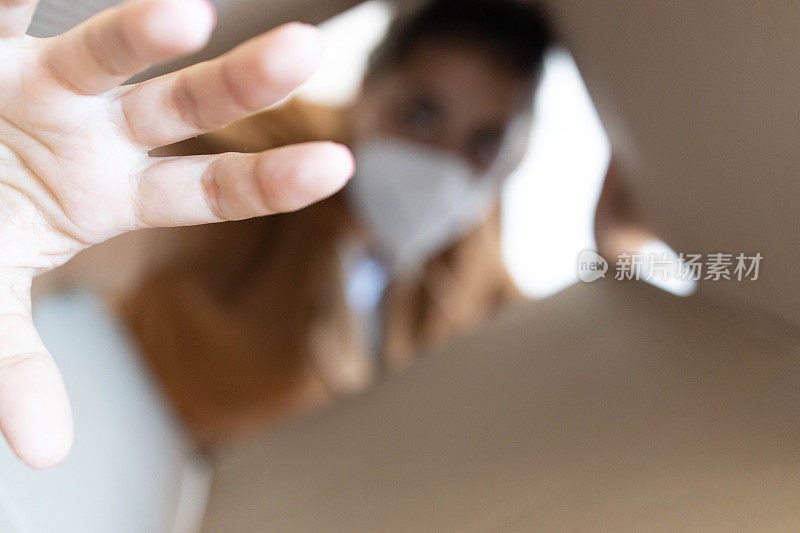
<point>515,140</point>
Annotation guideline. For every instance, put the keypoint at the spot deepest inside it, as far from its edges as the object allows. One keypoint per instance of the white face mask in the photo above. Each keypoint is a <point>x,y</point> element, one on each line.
<point>417,200</point>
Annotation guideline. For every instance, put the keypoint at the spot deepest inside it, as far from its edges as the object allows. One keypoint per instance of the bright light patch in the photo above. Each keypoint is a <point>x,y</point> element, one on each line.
<point>349,39</point>
<point>673,283</point>
<point>550,200</point>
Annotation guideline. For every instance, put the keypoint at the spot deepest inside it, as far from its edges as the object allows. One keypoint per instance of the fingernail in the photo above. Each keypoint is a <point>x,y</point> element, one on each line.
<point>295,53</point>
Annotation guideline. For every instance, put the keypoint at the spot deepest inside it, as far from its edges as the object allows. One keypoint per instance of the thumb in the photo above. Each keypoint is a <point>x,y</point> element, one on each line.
<point>35,416</point>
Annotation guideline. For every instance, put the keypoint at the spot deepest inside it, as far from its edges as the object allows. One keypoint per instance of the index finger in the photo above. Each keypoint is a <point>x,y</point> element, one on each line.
<point>115,44</point>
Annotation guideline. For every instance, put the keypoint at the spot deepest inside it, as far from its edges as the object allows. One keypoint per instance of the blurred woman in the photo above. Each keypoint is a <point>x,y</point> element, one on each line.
<point>271,317</point>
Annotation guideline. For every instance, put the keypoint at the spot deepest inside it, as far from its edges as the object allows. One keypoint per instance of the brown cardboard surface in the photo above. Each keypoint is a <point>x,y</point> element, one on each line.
<point>609,407</point>
<point>700,101</point>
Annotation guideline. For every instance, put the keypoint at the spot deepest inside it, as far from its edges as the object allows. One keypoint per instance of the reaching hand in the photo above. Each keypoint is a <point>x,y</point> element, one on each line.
<point>75,170</point>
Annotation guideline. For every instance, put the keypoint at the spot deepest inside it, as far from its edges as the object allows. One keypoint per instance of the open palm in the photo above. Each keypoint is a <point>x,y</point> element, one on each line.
<point>75,170</point>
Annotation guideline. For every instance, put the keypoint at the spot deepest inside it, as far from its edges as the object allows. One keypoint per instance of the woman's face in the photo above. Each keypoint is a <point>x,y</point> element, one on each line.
<point>451,95</point>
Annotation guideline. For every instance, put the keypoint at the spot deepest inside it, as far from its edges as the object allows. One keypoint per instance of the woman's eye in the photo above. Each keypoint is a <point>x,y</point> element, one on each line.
<point>485,146</point>
<point>420,118</point>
